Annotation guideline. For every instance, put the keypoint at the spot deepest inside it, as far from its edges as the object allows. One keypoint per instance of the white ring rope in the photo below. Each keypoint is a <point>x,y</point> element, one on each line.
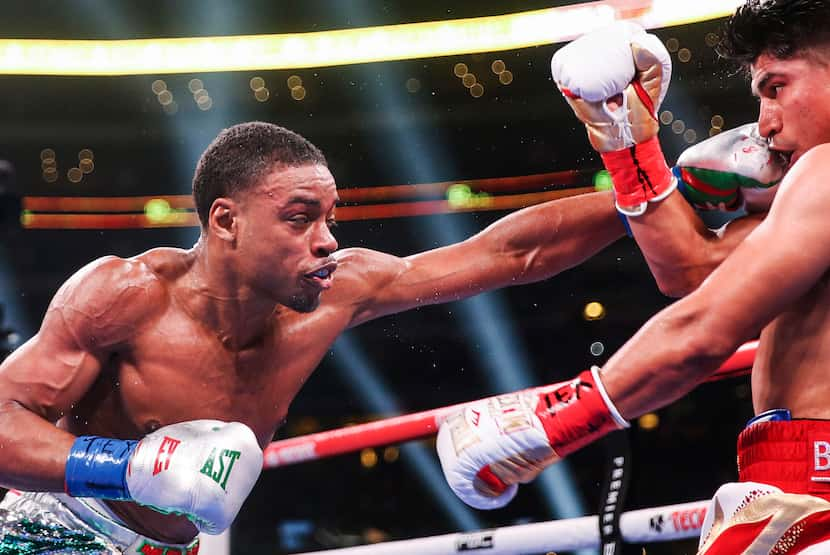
<point>657,524</point>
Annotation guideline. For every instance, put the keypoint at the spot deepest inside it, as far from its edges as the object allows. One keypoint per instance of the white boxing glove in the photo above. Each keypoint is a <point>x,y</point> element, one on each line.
<point>473,439</point>
<point>615,79</point>
<point>203,469</point>
<point>494,444</point>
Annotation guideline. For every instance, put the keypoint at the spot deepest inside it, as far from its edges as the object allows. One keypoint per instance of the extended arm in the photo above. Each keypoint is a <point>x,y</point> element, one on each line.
<point>526,246</point>
<point>767,272</point>
<point>615,79</point>
<point>667,358</point>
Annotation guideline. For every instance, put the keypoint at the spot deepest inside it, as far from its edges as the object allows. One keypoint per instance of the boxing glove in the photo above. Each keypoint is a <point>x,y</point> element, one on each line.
<point>203,469</point>
<point>615,79</point>
<point>491,445</point>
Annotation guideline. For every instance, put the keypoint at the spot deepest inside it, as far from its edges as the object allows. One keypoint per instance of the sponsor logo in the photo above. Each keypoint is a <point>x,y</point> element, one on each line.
<point>819,466</point>
<point>165,454</point>
<point>295,453</point>
<point>567,393</point>
<point>689,519</point>
<point>219,464</point>
<point>479,540</point>
<point>681,521</point>
<point>475,417</point>
<point>463,435</point>
<point>821,455</point>
<point>147,548</point>
<point>656,523</point>
<point>510,413</point>
<point>614,486</point>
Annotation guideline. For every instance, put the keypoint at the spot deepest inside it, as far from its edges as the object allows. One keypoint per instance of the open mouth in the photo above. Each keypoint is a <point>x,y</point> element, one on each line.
<point>781,159</point>
<point>322,276</point>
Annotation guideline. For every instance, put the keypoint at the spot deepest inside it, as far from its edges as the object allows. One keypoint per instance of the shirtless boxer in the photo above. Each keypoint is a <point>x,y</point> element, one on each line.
<point>170,345</point>
<point>775,281</point>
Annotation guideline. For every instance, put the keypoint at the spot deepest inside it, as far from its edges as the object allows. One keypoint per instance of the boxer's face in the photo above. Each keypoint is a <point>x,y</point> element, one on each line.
<point>284,238</point>
<point>794,112</point>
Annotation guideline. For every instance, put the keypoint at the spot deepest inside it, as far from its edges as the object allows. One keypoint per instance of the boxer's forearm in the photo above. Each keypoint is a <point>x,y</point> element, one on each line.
<point>33,451</point>
<point>546,239</point>
<point>670,355</point>
<point>680,251</point>
<point>675,244</point>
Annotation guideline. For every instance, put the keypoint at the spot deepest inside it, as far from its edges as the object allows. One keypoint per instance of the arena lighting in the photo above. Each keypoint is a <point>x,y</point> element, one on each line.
<point>342,47</point>
<point>188,218</point>
<point>365,382</point>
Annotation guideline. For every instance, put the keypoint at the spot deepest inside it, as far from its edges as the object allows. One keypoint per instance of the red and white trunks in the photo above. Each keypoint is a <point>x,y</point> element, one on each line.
<point>782,504</point>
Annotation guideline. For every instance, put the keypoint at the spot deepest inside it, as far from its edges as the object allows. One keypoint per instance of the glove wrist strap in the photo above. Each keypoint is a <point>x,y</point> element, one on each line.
<point>97,467</point>
<point>640,175</point>
<point>578,413</point>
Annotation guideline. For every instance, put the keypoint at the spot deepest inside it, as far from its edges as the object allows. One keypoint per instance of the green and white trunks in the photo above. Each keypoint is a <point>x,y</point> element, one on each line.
<point>53,523</point>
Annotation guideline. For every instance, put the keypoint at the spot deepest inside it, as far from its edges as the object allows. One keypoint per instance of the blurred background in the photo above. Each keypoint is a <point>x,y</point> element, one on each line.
<point>448,119</point>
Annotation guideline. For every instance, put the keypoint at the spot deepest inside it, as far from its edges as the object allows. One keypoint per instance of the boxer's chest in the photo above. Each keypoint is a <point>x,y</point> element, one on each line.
<point>179,370</point>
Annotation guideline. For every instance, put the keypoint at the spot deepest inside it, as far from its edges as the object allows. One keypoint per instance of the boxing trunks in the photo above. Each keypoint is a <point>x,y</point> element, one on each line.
<point>39,522</point>
<point>782,503</point>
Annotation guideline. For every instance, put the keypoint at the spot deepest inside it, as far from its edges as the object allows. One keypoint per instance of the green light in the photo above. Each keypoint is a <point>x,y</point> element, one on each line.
<point>459,195</point>
<point>157,210</point>
<point>602,181</point>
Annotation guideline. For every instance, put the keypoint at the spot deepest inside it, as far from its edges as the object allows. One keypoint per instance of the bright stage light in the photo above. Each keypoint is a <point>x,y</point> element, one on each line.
<point>342,47</point>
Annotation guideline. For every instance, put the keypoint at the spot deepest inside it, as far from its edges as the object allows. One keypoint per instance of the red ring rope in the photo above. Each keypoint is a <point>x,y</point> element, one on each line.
<point>422,424</point>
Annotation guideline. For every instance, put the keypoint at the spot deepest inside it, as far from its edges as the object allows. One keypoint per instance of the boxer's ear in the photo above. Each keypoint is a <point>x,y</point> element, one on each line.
<point>222,219</point>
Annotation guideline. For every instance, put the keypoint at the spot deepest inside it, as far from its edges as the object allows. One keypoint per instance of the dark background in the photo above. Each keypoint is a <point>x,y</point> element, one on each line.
<point>374,132</point>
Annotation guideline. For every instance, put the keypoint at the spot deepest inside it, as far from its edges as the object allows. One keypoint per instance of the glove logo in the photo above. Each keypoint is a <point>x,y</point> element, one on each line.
<point>463,436</point>
<point>475,416</point>
<point>165,454</point>
<point>567,394</point>
<point>218,466</point>
<point>510,413</point>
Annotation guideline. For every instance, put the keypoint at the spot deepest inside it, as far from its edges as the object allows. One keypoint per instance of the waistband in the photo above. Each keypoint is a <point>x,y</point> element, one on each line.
<point>792,455</point>
<point>97,516</point>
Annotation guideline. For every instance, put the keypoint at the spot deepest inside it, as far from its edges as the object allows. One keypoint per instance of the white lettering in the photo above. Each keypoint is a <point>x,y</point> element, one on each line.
<point>821,455</point>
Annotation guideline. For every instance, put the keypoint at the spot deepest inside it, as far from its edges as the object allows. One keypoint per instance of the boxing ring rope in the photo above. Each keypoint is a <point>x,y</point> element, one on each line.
<point>656,524</point>
<point>422,424</point>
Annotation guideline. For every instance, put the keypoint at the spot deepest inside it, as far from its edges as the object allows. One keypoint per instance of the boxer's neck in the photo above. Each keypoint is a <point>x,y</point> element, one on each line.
<point>212,293</point>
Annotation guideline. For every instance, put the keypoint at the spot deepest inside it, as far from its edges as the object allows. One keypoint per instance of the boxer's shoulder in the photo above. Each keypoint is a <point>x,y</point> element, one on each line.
<point>110,298</point>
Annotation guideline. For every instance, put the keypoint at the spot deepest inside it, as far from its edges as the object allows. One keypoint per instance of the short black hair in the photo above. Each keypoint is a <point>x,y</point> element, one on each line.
<point>780,28</point>
<point>240,156</point>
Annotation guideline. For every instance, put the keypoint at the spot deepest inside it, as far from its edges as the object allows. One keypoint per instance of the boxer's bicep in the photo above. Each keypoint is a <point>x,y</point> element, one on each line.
<point>93,313</point>
<point>50,371</point>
